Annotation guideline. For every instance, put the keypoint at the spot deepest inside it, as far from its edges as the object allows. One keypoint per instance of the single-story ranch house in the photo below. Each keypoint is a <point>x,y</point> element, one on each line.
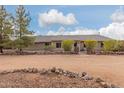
<point>56,41</point>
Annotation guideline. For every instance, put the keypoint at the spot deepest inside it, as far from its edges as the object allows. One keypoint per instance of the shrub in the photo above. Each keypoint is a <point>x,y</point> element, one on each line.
<point>90,45</point>
<point>6,43</point>
<point>113,45</point>
<point>49,47</point>
<point>23,42</point>
<point>46,48</point>
<point>67,45</point>
<point>119,46</point>
<point>110,45</point>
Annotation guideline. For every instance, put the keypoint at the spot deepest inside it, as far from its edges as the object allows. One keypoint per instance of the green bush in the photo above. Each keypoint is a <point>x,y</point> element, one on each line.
<point>113,45</point>
<point>110,45</point>
<point>23,42</point>
<point>6,43</point>
<point>90,45</point>
<point>119,46</point>
<point>67,45</point>
<point>48,47</point>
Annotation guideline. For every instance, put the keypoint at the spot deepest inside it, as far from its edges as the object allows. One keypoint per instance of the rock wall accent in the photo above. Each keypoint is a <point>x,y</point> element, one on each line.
<point>59,71</point>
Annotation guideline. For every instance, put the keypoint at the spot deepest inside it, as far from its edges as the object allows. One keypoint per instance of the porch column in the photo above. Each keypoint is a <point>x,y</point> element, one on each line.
<point>78,44</point>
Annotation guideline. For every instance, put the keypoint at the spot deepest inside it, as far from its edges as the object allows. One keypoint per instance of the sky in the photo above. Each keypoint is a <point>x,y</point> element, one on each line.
<point>106,20</point>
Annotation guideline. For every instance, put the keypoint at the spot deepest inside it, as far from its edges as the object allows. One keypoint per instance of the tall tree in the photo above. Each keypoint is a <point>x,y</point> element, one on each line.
<point>22,21</point>
<point>6,21</point>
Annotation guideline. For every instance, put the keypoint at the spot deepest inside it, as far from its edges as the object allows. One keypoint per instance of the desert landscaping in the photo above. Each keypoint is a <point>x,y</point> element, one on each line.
<point>107,67</point>
<point>31,59</point>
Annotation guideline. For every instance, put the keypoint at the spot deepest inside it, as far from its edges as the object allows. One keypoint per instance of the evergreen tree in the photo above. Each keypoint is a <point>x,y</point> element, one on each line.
<point>22,21</point>
<point>6,30</point>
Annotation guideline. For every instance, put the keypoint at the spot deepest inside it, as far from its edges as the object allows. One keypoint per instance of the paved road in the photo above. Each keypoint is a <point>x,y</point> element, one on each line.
<point>110,68</point>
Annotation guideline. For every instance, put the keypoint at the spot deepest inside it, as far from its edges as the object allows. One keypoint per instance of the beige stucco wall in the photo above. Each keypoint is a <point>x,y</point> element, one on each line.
<point>57,49</point>
<point>40,46</point>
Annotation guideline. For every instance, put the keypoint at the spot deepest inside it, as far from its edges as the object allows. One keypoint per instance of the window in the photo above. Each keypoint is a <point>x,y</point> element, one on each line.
<point>102,44</point>
<point>58,45</point>
<point>47,44</point>
<point>75,44</point>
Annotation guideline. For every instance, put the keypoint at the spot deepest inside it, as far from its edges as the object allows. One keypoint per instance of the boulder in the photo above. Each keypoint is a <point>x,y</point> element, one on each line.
<point>49,71</point>
<point>73,75</point>
<point>11,71</point>
<point>16,70</point>
<point>105,85</point>
<point>43,71</point>
<point>53,69</point>
<point>30,70</point>
<point>64,73</point>
<point>87,77</point>
<point>114,86</point>
<point>34,70</point>
<point>4,72</point>
<point>83,74</point>
<point>25,70</point>
<point>99,80</point>
<point>59,71</point>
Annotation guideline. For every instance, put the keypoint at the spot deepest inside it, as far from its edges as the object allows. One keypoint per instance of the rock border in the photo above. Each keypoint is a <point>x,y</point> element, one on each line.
<point>59,71</point>
<point>40,53</point>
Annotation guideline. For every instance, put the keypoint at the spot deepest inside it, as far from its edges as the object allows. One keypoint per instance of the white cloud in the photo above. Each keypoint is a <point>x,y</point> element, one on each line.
<point>113,30</point>
<point>61,31</point>
<point>83,31</point>
<point>37,33</point>
<point>118,15</point>
<point>53,16</point>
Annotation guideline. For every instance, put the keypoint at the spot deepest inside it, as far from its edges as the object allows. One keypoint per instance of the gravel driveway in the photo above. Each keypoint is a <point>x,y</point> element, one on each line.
<point>110,68</point>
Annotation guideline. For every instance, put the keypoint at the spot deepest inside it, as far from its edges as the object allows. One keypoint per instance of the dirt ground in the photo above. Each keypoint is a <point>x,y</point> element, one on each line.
<point>109,68</point>
<point>37,80</point>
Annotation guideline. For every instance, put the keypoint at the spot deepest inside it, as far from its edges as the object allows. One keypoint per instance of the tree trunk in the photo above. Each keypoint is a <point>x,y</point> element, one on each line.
<point>1,50</point>
<point>20,51</point>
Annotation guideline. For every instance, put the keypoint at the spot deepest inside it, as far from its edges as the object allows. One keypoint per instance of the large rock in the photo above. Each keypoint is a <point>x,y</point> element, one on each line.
<point>25,70</point>
<point>83,74</point>
<point>30,70</point>
<point>105,84</point>
<point>59,71</point>
<point>49,71</point>
<point>43,71</point>
<point>73,75</point>
<point>34,70</point>
<point>16,70</point>
<point>99,80</point>
<point>87,77</point>
<point>114,86</point>
<point>4,72</point>
<point>53,69</point>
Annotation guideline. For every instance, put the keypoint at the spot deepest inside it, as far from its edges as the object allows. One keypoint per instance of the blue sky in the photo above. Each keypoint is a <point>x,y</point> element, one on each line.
<point>92,17</point>
<point>104,19</point>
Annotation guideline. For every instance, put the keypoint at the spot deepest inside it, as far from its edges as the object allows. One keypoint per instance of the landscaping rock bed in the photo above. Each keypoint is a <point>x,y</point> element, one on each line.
<point>53,77</point>
<point>38,53</point>
<point>110,53</point>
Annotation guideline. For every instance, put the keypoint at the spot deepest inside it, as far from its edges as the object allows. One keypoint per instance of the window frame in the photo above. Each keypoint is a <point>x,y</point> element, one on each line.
<point>58,45</point>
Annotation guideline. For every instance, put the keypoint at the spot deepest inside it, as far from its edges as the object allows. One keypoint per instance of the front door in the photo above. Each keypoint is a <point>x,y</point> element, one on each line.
<point>76,47</point>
